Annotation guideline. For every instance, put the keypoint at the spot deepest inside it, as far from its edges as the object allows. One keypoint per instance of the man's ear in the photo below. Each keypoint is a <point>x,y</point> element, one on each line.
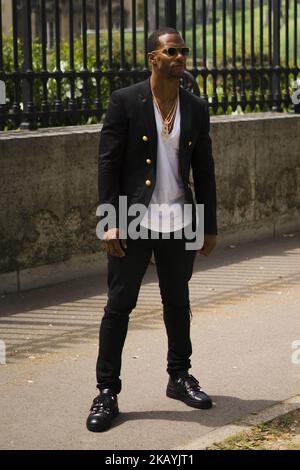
<point>151,58</point>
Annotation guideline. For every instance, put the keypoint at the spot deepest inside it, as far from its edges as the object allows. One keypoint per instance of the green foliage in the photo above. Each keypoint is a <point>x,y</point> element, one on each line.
<point>15,89</point>
<point>64,66</point>
<point>255,85</point>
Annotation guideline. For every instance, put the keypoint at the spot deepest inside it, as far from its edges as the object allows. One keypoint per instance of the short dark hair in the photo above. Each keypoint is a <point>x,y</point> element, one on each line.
<point>153,39</point>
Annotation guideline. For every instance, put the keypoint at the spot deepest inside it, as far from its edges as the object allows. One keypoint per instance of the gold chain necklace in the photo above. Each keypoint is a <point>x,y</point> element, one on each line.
<point>169,119</point>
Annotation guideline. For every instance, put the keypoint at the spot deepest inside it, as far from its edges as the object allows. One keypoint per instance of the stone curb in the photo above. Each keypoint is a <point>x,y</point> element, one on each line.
<point>247,423</point>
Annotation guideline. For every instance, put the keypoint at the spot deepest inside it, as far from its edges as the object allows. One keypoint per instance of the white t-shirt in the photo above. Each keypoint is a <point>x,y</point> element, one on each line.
<point>169,190</point>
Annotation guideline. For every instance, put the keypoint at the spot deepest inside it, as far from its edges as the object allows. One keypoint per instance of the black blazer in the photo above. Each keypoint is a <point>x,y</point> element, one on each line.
<point>128,150</point>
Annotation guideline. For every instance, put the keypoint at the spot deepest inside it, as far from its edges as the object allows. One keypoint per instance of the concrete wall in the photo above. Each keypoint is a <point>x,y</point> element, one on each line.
<point>48,194</point>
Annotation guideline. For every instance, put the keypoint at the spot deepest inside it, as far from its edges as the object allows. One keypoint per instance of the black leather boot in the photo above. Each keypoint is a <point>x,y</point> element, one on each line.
<point>187,389</point>
<point>104,408</point>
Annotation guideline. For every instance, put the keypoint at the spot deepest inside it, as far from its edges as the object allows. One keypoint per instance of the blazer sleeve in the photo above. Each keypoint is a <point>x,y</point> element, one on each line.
<point>203,169</point>
<point>111,149</point>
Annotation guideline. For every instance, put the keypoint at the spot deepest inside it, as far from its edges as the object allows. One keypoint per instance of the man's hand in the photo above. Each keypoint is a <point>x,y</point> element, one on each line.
<point>209,244</point>
<point>113,244</point>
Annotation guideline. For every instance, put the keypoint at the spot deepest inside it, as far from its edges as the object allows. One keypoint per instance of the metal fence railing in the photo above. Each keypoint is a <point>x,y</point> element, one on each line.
<point>61,59</point>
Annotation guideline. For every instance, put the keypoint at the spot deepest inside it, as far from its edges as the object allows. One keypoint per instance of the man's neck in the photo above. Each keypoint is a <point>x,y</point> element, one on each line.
<point>164,89</point>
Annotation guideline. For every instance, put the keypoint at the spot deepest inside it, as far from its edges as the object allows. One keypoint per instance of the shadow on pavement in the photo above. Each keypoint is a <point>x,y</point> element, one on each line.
<point>225,410</point>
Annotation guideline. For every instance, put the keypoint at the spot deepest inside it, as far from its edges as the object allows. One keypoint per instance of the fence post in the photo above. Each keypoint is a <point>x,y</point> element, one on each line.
<point>27,123</point>
<point>276,55</point>
<point>170,13</point>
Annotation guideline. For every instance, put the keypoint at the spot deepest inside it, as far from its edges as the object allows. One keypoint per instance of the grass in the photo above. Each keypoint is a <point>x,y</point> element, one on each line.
<point>219,37</point>
<point>282,433</point>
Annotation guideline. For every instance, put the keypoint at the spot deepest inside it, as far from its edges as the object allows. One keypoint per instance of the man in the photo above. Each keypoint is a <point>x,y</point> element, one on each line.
<point>153,133</point>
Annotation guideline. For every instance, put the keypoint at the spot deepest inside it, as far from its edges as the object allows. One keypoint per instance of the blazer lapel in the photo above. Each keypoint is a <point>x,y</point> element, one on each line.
<point>185,122</point>
<point>148,114</point>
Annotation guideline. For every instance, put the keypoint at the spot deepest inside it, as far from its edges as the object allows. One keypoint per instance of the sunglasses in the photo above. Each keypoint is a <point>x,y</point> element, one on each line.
<point>173,51</point>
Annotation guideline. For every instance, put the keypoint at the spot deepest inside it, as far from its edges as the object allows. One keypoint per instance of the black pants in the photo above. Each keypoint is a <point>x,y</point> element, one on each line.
<point>174,267</point>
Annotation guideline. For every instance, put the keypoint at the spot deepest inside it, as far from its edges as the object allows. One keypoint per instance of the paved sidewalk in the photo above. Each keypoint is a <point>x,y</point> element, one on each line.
<point>246,306</point>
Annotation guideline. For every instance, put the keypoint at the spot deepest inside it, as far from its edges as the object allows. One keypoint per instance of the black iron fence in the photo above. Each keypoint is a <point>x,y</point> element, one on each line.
<point>61,59</point>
